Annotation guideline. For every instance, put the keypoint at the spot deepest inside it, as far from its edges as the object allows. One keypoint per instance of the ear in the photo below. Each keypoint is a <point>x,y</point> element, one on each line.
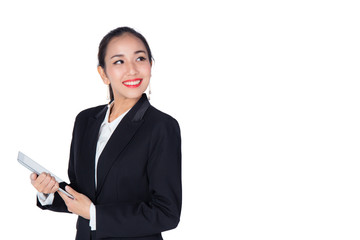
<point>103,76</point>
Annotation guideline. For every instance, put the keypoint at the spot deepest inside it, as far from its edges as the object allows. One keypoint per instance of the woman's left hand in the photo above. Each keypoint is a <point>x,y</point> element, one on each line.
<point>80,205</point>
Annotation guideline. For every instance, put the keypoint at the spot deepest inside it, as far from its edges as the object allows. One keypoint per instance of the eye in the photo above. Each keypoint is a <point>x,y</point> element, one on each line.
<point>140,59</point>
<point>119,62</point>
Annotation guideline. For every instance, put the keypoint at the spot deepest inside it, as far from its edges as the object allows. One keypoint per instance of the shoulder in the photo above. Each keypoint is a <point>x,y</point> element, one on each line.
<point>93,111</point>
<point>156,115</point>
<point>162,129</point>
<point>89,112</point>
<point>161,121</point>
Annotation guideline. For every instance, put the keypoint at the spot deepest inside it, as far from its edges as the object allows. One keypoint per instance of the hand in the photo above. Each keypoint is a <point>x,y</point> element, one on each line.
<point>44,183</point>
<point>80,205</point>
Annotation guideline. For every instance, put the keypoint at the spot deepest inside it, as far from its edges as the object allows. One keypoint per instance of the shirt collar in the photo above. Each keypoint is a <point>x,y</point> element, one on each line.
<point>116,121</point>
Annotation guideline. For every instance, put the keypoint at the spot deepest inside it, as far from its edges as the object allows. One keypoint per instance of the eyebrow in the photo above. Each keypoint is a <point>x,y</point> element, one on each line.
<point>121,55</point>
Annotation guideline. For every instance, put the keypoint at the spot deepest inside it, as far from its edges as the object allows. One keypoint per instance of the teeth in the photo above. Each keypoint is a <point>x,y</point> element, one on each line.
<point>132,82</point>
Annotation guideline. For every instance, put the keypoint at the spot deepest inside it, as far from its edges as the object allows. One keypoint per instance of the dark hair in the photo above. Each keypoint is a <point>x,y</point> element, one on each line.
<point>117,33</point>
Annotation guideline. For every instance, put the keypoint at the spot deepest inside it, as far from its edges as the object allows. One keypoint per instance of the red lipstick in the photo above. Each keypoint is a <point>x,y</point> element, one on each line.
<point>132,83</point>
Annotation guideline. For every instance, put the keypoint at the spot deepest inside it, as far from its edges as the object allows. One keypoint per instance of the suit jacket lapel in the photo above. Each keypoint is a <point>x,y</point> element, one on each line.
<point>89,146</point>
<point>120,138</point>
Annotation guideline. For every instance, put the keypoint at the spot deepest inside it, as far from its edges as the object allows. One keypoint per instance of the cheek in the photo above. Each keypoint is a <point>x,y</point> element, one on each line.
<point>146,71</point>
<point>113,72</point>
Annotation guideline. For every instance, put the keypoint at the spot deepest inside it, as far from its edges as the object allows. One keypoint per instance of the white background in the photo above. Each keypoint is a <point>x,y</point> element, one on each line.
<point>266,94</point>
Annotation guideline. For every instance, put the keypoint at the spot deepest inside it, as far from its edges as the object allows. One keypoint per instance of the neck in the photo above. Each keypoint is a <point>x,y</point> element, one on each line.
<point>120,106</point>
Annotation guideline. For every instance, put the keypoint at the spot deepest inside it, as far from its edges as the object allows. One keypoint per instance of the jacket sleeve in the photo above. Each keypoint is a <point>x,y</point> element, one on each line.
<point>162,212</point>
<point>58,204</point>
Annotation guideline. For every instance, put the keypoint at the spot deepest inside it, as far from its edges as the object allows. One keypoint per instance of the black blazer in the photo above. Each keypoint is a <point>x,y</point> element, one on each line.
<point>138,191</point>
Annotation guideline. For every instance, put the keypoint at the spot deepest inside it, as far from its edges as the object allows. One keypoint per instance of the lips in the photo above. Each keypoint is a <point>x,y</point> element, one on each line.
<point>132,83</point>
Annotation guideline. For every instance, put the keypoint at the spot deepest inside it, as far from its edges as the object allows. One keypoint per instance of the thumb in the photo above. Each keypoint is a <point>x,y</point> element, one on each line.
<point>33,176</point>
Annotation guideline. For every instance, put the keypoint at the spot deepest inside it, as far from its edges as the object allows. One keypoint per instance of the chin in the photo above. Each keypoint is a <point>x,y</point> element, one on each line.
<point>133,95</point>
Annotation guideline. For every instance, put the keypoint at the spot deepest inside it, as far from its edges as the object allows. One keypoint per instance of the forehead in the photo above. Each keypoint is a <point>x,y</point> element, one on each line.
<point>126,44</point>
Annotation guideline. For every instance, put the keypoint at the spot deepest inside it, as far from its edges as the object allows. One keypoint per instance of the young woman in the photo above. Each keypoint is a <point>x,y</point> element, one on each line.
<point>125,157</point>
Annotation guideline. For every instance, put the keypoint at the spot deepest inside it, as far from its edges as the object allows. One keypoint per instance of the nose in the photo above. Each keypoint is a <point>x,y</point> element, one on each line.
<point>132,69</point>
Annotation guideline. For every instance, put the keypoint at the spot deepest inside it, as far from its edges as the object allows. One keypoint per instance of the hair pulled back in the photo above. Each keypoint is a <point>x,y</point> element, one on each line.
<point>117,32</point>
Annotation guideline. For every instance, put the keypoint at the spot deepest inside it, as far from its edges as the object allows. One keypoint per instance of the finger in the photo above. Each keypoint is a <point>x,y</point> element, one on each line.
<point>41,177</point>
<point>43,185</point>
<point>49,185</point>
<point>71,191</point>
<point>55,187</point>
<point>64,197</point>
<point>38,181</point>
<point>67,200</point>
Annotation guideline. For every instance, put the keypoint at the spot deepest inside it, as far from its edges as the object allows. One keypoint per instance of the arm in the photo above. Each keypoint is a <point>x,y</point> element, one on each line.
<point>58,205</point>
<point>162,211</point>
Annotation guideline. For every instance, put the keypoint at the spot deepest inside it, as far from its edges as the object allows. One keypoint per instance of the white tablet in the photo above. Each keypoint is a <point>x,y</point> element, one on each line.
<point>38,169</point>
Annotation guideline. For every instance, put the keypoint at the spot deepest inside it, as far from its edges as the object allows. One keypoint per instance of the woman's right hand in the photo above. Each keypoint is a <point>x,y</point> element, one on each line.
<point>44,183</point>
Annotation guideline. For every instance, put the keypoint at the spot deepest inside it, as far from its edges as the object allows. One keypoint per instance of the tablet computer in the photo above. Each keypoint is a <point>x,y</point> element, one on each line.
<point>38,169</point>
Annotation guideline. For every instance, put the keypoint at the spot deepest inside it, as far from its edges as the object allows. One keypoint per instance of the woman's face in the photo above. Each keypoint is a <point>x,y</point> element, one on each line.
<point>127,67</point>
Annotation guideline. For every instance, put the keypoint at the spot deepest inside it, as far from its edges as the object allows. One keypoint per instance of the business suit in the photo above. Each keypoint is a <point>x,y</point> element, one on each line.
<point>138,192</point>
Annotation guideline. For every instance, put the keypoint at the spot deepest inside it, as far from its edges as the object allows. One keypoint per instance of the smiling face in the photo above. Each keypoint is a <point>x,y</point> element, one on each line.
<point>127,67</point>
